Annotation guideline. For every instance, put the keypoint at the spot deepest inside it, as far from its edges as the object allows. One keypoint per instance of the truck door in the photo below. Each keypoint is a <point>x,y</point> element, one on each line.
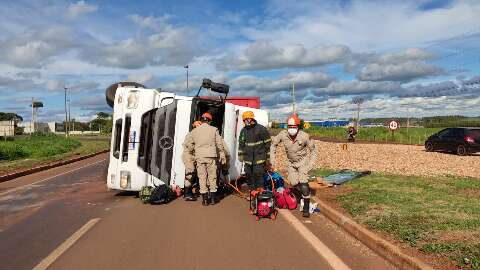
<point>261,117</point>
<point>164,141</point>
<point>229,135</point>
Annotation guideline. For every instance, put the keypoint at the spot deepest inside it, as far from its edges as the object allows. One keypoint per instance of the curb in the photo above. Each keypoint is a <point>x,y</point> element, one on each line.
<point>11,176</point>
<point>382,247</point>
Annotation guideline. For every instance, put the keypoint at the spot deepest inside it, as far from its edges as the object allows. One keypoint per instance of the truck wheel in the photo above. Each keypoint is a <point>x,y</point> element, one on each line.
<point>429,147</point>
<point>462,150</point>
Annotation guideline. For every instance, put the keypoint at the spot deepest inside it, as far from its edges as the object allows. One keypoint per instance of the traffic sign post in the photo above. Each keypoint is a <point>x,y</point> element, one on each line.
<point>393,125</point>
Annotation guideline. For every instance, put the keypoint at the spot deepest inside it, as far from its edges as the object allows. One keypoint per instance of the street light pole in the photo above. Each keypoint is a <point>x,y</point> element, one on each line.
<point>186,67</point>
<point>69,114</point>
<point>65,125</point>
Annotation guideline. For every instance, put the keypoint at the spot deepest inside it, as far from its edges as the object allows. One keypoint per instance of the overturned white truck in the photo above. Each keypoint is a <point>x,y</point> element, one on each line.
<point>149,127</point>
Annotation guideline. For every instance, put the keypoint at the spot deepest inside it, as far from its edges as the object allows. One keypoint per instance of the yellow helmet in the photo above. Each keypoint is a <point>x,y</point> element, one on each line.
<point>247,115</point>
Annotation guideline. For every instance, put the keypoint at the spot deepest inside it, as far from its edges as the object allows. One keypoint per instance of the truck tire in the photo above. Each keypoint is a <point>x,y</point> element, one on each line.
<point>112,89</point>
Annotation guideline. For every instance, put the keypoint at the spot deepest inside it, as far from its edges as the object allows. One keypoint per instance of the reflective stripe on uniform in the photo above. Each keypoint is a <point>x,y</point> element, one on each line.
<point>254,144</point>
<point>256,162</point>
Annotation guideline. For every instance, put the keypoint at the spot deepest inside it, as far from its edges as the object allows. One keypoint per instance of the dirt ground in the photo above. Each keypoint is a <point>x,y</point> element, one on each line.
<point>393,159</point>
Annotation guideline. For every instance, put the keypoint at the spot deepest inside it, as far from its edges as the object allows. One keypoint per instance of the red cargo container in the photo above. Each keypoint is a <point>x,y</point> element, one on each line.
<point>251,102</point>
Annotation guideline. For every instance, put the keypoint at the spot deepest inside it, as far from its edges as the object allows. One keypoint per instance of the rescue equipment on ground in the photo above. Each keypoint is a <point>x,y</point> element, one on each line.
<point>262,202</point>
<point>285,199</point>
<point>275,177</point>
<point>160,194</point>
<point>344,176</point>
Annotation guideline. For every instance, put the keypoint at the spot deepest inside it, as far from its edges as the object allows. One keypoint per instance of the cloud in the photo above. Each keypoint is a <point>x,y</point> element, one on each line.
<point>170,46</point>
<point>338,88</point>
<point>151,22</point>
<point>80,8</point>
<point>18,84</point>
<point>365,25</point>
<point>92,103</point>
<point>32,49</point>
<point>403,72</point>
<point>261,85</point>
<point>29,74</point>
<point>262,55</point>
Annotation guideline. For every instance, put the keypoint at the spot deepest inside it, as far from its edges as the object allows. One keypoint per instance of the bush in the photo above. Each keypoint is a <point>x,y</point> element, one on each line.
<point>11,151</point>
<point>37,145</point>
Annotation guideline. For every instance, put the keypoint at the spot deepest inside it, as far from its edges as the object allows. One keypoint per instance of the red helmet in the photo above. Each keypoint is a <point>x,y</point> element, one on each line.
<point>208,116</point>
<point>293,120</point>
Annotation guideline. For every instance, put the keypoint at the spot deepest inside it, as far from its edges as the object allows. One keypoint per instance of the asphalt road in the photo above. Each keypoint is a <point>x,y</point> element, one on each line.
<point>65,218</point>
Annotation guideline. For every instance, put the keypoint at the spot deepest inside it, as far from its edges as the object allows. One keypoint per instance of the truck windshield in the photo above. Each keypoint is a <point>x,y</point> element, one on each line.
<point>118,137</point>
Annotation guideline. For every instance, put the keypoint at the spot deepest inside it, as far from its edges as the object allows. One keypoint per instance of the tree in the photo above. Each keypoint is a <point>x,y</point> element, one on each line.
<point>10,116</point>
<point>102,122</point>
<point>103,115</point>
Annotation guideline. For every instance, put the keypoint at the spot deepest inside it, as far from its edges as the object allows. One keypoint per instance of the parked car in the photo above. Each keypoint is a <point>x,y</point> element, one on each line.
<point>462,141</point>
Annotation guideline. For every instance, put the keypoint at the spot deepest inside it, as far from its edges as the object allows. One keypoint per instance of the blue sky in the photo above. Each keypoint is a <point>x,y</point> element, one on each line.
<point>406,58</point>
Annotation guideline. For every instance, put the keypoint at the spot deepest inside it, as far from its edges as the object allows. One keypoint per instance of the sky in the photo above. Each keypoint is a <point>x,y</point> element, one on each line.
<point>405,58</point>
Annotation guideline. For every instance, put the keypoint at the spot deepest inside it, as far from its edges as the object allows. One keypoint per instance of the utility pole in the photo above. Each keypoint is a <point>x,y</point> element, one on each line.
<point>69,115</point>
<point>33,119</point>
<point>65,127</point>
<point>358,101</point>
<point>294,109</point>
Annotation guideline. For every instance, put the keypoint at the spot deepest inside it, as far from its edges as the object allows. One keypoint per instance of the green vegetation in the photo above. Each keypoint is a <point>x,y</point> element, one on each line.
<point>102,122</point>
<point>37,149</point>
<point>36,145</point>
<point>413,135</point>
<point>451,121</point>
<point>439,215</point>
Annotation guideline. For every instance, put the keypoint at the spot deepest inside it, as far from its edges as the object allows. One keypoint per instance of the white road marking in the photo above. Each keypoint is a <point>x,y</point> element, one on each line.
<point>46,262</point>
<point>332,259</point>
<point>46,179</point>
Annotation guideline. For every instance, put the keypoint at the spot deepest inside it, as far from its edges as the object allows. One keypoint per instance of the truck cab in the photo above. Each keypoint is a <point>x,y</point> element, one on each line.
<point>149,128</point>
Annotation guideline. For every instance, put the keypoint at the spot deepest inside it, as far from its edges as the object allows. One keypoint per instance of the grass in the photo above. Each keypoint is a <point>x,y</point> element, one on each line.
<point>39,149</point>
<point>439,215</point>
<point>415,135</point>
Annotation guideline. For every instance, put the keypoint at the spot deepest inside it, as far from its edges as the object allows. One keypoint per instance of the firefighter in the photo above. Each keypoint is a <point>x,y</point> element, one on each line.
<point>254,150</point>
<point>188,158</point>
<point>301,155</point>
<point>206,142</point>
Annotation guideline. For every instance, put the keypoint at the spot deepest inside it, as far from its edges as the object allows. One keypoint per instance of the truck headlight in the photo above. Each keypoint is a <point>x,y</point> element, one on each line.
<point>132,100</point>
<point>125,179</point>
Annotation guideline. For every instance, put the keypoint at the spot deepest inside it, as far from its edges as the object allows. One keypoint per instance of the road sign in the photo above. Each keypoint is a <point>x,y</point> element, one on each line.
<point>393,125</point>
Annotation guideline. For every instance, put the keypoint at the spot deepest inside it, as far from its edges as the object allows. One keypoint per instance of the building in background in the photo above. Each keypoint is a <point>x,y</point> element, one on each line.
<point>7,128</point>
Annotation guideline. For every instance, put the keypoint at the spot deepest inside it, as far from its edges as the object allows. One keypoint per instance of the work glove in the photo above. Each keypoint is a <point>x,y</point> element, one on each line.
<point>270,166</point>
<point>223,160</point>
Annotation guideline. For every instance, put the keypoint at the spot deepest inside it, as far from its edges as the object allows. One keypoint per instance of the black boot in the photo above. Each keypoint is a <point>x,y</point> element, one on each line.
<point>306,207</point>
<point>213,198</point>
<point>205,199</point>
<point>188,195</point>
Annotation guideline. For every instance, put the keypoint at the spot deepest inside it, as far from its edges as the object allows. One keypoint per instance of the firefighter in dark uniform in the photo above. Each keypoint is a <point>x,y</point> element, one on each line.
<point>254,150</point>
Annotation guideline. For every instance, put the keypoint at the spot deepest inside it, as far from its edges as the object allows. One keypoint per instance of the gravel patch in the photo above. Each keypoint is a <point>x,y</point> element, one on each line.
<point>391,158</point>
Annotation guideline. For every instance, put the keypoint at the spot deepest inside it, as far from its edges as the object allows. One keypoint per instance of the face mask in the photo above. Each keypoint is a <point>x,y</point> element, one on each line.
<point>292,131</point>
